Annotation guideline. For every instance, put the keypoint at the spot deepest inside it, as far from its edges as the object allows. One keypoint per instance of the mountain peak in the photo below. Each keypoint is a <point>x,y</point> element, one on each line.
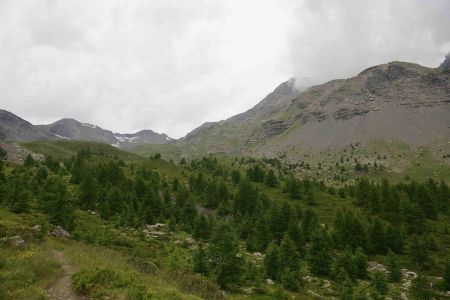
<point>446,63</point>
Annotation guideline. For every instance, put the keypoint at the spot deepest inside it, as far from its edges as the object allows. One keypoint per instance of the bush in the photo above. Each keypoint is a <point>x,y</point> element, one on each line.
<point>99,283</point>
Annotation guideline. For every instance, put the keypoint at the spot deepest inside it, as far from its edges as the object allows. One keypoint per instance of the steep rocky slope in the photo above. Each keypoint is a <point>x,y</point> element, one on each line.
<point>397,101</point>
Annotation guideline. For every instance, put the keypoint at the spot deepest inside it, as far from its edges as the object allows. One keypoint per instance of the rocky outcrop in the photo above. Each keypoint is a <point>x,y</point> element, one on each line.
<point>15,241</point>
<point>272,128</point>
<point>60,232</point>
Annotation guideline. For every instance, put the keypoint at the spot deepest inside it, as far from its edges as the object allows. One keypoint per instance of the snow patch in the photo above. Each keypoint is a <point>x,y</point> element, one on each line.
<point>126,139</point>
<point>62,137</point>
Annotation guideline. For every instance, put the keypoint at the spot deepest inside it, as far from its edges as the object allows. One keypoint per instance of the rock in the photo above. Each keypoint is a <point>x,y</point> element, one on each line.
<point>248,290</point>
<point>269,281</point>
<point>257,254</point>
<point>190,240</point>
<point>409,275</point>
<point>60,232</point>
<point>37,228</point>
<point>314,294</point>
<point>15,241</point>
<point>157,226</point>
<point>374,266</point>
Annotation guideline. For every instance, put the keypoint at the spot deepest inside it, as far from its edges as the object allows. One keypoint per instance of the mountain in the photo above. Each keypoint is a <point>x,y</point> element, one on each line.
<point>14,128</point>
<point>398,101</point>
<point>446,63</point>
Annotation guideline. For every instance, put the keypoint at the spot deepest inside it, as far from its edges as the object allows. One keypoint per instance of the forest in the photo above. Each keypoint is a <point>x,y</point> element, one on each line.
<point>258,229</point>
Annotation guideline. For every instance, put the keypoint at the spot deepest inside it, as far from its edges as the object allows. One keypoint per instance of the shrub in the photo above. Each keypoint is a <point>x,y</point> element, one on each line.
<point>100,282</point>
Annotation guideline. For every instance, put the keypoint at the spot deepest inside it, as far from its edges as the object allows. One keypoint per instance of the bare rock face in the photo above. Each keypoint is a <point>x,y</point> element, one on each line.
<point>60,232</point>
<point>272,128</point>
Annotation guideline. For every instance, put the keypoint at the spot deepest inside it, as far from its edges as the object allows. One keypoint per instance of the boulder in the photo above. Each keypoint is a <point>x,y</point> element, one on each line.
<point>37,228</point>
<point>269,281</point>
<point>14,241</point>
<point>60,232</point>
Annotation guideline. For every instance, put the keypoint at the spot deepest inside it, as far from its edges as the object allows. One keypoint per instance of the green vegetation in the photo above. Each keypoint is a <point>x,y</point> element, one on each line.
<point>152,229</point>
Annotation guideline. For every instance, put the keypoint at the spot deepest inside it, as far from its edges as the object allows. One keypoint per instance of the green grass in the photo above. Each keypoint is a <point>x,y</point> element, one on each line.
<point>24,272</point>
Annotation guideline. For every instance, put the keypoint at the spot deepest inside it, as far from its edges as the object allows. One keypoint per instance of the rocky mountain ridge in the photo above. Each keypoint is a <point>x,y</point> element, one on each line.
<point>397,101</point>
<point>14,128</point>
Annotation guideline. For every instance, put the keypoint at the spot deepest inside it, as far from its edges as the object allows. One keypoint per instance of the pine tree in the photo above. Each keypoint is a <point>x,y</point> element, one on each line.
<point>319,257</point>
<point>271,178</point>
<point>17,194</point>
<point>29,161</point>
<point>271,261</point>
<point>41,174</point>
<point>56,202</point>
<point>360,262</point>
<point>262,234</point>
<point>289,264</point>
<point>446,275</point>
<point>395,275</point>
<point>377,242</point>
<point>201,227</point>
<point>418,251</point>
<point>419,289</point>
<point>200,261</point>
<point>379,283</point>
<point>88,191</point>
<point>223,249</point>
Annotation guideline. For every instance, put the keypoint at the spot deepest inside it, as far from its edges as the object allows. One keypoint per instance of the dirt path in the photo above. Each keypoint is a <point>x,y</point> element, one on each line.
<point>62,289</point>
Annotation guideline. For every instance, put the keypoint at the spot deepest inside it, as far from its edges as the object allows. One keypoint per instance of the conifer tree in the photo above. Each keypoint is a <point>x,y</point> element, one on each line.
<point>225,265</point>
<point>55,201</point>
<point>420,289</point>
<point>17,195</point>
<point>88,191</point>
<point>262,234</point>
<point>200,261</point>
<point>395,275</point>
<point>271,261</point>
<point>29,161</point>
<point>360,262</point>
<point>379,283</point>
<point>418,251</point>
<point>289,264</point>
<point>271,178</point>
<point>446,275</point>
<point>319,257</point>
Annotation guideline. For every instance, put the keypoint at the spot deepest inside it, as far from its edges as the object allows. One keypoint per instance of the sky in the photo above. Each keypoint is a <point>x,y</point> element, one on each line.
<point>171,65</point>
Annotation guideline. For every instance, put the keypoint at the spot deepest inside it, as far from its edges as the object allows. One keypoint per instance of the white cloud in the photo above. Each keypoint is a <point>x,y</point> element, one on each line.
<point>172,65</point>
<point>339,38</point>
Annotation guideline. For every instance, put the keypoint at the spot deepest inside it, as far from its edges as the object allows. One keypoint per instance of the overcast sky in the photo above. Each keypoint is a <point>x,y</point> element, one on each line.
<point>171,65</point>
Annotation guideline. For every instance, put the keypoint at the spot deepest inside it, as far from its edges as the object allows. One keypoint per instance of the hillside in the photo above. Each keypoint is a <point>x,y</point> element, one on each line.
<point>392,104</point>
<point>13,128</point>
<point>215,228</point>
